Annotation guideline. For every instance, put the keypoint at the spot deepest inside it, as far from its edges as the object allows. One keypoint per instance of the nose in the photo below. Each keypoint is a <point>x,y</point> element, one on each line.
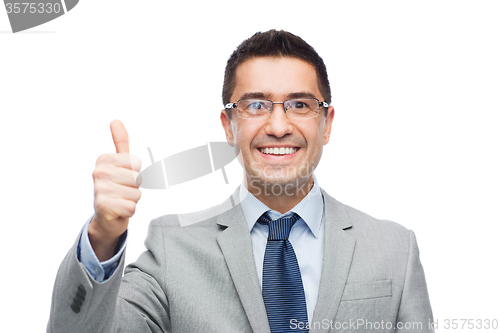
<point>278,124</point>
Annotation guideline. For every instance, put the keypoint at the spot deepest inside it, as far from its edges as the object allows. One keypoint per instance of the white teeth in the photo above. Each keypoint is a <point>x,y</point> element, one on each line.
<point>278,151</point>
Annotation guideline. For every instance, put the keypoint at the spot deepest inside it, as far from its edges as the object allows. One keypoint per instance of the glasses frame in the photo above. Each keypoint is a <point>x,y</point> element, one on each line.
<point>235,106</point>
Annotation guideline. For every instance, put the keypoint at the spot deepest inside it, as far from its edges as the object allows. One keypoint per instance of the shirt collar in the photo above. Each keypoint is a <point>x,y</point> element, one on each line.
<point>310,209</point>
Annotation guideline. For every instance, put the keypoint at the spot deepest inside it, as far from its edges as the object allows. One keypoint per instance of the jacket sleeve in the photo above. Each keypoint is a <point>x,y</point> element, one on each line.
<point>415,313</point>
<point>135,302</point>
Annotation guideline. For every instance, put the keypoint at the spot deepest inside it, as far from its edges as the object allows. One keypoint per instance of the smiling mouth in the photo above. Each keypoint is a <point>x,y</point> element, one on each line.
<point>278,151</point>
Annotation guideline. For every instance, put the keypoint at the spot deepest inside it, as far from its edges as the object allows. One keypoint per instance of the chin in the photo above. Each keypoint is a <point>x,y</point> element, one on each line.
<point>279,184</point>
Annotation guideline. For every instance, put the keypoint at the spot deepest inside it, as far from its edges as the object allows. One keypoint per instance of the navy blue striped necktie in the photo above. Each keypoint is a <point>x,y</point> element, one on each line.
<point>282,287</point>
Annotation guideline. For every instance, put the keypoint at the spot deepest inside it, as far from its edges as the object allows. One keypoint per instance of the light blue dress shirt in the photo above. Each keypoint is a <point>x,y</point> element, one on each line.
<point>306,237</point>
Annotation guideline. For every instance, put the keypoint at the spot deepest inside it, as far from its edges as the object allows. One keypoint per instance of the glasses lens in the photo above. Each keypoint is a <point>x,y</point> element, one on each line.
<point>254,108</point>
<point>302,108</point>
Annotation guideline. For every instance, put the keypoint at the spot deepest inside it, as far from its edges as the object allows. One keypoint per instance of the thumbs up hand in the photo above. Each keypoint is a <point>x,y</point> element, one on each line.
<point>115,194</point>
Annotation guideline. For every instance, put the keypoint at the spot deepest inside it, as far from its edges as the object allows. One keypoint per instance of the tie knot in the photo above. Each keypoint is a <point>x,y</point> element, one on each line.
<point>279,229</point>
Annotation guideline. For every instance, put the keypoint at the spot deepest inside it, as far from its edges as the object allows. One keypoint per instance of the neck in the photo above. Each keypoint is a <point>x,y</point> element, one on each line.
<point>278,197</point>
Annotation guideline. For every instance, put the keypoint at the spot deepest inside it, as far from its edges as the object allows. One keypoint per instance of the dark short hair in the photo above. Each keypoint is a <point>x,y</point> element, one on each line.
<point>274,43</point>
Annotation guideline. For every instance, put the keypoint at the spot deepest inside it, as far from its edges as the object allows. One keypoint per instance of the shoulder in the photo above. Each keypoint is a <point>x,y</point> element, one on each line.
<point>186,223</point>
<point>188,239</point>
<point>364,227</point>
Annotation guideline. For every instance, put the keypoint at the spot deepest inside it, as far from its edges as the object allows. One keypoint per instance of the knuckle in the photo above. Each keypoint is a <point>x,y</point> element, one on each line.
<point>137,179</point>
<point>132,207</point>
<point>136,162</point>
<point>102,172</point>
<point>98,173</point>
<point>102,159</point>
<point>102,188</point>
<point>97,189</point>
<point>101,204</point>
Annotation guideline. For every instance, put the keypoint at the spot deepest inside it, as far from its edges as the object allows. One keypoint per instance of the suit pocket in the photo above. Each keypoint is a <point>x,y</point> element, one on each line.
<point>367,290</point>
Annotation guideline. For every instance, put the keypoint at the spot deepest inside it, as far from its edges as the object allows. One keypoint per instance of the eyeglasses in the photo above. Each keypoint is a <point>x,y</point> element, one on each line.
<point>261,108</point>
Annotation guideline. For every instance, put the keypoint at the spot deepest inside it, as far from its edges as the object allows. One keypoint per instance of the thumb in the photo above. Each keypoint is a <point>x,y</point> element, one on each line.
<point>120,136</point>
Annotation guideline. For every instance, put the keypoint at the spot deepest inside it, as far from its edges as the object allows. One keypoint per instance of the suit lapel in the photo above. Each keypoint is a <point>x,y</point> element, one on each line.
<point>236,246</point>
<point>337,257</point>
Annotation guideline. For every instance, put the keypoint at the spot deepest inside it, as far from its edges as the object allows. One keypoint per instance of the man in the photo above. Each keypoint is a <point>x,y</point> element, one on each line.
<point>280,255</point>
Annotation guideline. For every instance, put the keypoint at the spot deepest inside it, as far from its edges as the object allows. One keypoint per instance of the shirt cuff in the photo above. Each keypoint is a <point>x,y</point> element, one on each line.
<point>100,271</point>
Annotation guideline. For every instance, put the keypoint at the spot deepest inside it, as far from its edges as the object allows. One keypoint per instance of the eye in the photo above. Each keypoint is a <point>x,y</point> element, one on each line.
<point>299,104</point>
<point>256,105</point>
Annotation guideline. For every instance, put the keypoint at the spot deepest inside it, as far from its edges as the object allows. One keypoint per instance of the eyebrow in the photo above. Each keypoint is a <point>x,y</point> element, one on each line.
<point>304,94</point>
<point>256,95</point>
<point>268,96</point>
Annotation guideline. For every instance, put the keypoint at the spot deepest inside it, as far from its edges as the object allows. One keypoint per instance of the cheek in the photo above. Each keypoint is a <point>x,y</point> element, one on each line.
<point>313,135</point>
<point>244,134</point>
<point>320,132</point>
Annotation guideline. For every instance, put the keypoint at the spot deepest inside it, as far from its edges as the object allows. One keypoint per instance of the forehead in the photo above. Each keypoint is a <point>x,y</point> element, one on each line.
<point>276,77</point>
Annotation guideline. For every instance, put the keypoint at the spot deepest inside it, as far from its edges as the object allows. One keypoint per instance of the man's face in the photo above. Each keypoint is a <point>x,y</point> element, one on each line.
<point>277,79</point>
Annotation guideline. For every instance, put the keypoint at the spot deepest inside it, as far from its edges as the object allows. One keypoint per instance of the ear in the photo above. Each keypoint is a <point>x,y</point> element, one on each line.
<point>328,125</point>
<point>226,124</point>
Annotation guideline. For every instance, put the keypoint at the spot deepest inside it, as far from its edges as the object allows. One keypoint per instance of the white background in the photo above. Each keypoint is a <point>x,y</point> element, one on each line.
<point>415,138</point>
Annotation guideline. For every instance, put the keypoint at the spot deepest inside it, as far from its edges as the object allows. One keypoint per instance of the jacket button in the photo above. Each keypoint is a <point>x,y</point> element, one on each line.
<point>75,308</point>
<point>78,299</point>
<point>76,302</point>
<point>81,290</point>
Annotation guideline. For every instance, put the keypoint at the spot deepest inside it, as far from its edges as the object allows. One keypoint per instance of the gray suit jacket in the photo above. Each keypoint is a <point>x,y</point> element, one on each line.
<point>201,277</point>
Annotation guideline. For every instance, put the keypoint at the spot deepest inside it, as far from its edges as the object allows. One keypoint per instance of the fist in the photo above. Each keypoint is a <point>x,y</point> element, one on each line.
<point>115,190</point>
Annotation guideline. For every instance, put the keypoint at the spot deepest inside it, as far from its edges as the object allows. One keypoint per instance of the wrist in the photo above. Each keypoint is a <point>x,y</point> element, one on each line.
<point>103,244</point>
